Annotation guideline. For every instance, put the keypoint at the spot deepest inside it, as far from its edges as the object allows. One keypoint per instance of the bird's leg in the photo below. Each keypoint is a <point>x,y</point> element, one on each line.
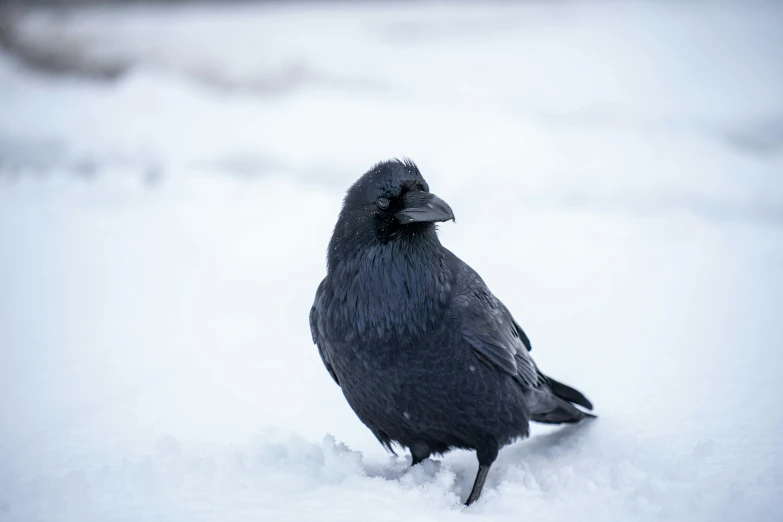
<point>419,452</point>
<point>485,458</point>
<point>478,485</point>
<point>417,459</point>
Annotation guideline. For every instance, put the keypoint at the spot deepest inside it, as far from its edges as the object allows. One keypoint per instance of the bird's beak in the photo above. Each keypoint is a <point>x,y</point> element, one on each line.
<point>423,207</point>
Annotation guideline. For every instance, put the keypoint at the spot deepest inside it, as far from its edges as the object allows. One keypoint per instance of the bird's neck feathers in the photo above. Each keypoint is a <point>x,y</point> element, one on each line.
<point>389,289</point>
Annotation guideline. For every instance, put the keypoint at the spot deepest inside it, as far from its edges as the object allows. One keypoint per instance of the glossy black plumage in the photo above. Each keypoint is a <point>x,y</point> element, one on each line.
<point>425,354</point>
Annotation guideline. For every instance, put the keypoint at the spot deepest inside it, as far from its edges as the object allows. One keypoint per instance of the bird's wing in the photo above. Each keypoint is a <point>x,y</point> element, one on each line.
<point>491,331</point>
<point>522,335</point>
<point>323,346</point>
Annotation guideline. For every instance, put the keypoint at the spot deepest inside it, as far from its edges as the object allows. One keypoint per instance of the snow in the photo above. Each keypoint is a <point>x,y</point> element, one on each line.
<point>616,173</point>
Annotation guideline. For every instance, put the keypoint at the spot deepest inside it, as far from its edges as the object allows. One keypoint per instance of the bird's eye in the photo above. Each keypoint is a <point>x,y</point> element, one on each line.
<point>383,203</point>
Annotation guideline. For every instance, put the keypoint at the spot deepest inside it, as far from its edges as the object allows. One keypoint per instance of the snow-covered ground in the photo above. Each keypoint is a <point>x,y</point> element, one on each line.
<point>616,170</point>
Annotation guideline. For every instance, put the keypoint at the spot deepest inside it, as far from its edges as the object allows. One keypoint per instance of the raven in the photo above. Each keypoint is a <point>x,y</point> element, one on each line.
<point>425,355</point>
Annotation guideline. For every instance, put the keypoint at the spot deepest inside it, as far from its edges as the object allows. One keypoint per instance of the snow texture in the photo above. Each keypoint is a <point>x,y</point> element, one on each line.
<point>616,170</point>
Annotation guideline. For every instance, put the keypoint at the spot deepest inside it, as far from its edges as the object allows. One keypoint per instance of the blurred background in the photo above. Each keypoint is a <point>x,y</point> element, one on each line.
<point>170,173</point>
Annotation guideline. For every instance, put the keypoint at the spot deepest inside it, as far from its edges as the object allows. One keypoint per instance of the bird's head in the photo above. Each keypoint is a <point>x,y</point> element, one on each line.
<point>389,201</point>
<point>386,264</point>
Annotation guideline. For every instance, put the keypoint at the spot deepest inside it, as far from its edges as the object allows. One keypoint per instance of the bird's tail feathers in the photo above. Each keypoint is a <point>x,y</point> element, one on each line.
<point>568,393</point>
<point>563,413</point>
<point>557,407</point>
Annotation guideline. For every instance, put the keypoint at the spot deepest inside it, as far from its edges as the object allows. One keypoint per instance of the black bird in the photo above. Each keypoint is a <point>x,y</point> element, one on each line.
<point>424,353</point>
